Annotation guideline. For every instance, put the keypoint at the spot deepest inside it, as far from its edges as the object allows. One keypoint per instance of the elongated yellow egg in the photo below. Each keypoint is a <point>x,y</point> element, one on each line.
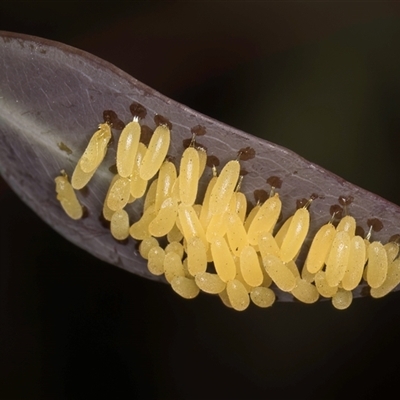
<point>320,247</point>
<point>189,173</point>
<point>265,219</point>
<point>127,148</point>
<point>377,265</point>
<point>96,149</point>
<point>67,197</point>
<point>295,235</point>
<point>338,258</point>
<point>224,187</point>
<point>156,152</point>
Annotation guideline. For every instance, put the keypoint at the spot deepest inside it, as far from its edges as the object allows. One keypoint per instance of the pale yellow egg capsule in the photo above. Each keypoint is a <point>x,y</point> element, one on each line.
<point>185,287</point>
<point>251,216</point>
<point>342,299</point>
<point>238,205</point>
<point>237,294</point>
<point>267,244</point>
<point>127,148</point>
<point>355,266</point>
<point>120,225</point>
<point>338,258</point>
<point>174,235</point>
<point>107,212</point>
<point>156,152</point>
<point>377,265</point>
<point>292,266</point>
<point>306,275</point>
<point>210,283</point>
<point>150,198</point>
<point>205,215</point>
<point>155,262</point>
<point>239,275</point>
<point>322,285</point>
<point>190,224</point>
<point>262,297</point>
<point>217,226</point>
<point>67,197</point>
<point>280,235</point>
<point>189,173</point>
<point>279,273</point>
<point>392,250</point>
<point>224,187</point>
<point>175,247</point>
<point>392,280</point>
<point>265,219</point>
<point>172,266</point>
<point>138,185</point>
<point>140,229</point>
<point>223,260</point>
<point>196,255</point>
<point>166,180</point>
<point>165,218</point>
<point>320,247</point>
<point>250,267</point>
<point>236,234</point>
<point>145,246</point>
<point>295,235</point>
<point>96,149</point>
<point>119,194</point>
<point>202,160</point>
<point>305,291</point>
<point>79,178</point>
<point>347,224</point>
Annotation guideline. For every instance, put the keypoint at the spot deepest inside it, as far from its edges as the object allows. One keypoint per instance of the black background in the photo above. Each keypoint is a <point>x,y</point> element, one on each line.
<point>320,78</point>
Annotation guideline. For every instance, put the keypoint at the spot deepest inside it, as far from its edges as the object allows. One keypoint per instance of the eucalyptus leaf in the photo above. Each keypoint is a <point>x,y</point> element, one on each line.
<point>52,98</point>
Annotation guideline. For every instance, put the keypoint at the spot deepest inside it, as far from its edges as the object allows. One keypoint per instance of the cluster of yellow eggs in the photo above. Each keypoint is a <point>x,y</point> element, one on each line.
<point>215,245</point>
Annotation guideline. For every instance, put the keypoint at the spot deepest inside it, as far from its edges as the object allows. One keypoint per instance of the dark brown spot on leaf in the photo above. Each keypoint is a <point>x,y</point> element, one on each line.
<point>395,238</point>
<point>111,118</point>
<point>376,224</point>
<point>360,231</point>
<point>145,135</point>
<point>198,130</point>
<point>336,211</point>
<point>160,120</point>
<point>247,153</point>
<point>275,182</point>
<point>300,203</point>
<point>137,110</point>
<point>260,195</point>
<point>212,161</point>
<point>243,172</point>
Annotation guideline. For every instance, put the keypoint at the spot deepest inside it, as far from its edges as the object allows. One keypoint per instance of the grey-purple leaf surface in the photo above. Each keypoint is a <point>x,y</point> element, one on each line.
<point>51,93</point>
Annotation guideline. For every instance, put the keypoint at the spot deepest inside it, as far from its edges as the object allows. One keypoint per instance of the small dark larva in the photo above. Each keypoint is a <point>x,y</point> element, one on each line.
<point>215,244</point>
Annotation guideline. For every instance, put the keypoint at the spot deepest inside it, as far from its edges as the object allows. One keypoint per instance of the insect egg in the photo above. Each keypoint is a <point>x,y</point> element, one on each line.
<point>67,197</point>
<point>172,266</point>
<point>355,265</point>
<point>391,281</point>
<point>96,149</point>
<point>305,291</point>
<point>223,260</point>
<point>250,267</point>
<point>138,185</point>
<point>262,297</point>
<point>338,258</point>
<point>166,180</point>
<point>295,235</point>
<point>127,148</point>
<point>320,247</point>
<point>197,256</point>
<point>237,295</point>
<point>224,187</point>
<point>210,283</point>
<point>377,264</point>
<point>265,219</point>
<point>165,219</point>
<point>279,273</point>
<point>189,176</point>
<point>185,287</point>
<point>156,152</point>
<point>120,225</point>
<point>119,193</point>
